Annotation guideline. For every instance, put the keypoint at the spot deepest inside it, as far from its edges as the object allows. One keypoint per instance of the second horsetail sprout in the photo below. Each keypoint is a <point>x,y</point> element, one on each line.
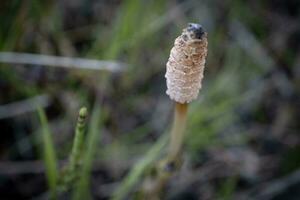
<point>70,173</point>
<point>184,78</point>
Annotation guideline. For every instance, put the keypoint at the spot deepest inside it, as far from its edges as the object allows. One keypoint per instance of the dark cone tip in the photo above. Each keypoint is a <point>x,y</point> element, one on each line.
<point>196,29</point>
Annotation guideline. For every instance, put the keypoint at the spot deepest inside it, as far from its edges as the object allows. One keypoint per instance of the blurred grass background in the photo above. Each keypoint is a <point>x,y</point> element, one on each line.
<point>243,131</point>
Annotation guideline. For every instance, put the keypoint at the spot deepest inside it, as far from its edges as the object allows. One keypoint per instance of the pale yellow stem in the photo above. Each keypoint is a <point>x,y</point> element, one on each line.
<point>178,129</point>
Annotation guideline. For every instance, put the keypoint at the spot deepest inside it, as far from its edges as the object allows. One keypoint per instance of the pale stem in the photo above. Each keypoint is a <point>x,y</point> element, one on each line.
<point>178,129</point>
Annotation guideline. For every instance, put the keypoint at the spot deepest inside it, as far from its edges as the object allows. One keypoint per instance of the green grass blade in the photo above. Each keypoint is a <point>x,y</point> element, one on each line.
<point>139,169</point>
<point>123,27</point>
<point>227,188</point>
<point>48,154</point>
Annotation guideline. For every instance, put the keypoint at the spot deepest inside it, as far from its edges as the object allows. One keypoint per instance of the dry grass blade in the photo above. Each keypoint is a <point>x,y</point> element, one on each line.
<point>21,167</point>
<point>24,106</point>
<point>58,61</point>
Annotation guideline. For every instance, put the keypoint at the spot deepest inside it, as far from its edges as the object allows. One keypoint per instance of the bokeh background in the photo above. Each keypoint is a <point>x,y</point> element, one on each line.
<point>243,131</point>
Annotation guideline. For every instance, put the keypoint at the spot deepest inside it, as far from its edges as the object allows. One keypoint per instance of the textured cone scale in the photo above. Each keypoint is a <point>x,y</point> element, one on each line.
<point>186,64</point>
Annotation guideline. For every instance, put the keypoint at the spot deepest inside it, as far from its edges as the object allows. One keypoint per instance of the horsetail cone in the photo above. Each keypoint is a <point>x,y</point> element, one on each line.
<point>186,64</point>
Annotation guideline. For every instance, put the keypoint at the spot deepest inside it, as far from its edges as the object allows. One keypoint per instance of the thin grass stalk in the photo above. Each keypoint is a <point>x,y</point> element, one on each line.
<point>140,168</point>
<point>49,155</point>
